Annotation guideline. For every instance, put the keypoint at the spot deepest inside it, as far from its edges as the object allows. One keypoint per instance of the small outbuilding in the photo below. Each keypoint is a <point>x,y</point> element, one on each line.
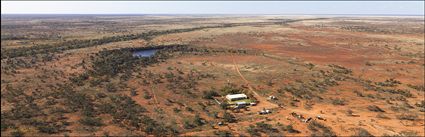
<point>233,97</point>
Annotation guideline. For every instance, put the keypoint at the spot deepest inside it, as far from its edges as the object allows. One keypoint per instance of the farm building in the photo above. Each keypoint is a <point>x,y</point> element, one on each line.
<point>234,97</point>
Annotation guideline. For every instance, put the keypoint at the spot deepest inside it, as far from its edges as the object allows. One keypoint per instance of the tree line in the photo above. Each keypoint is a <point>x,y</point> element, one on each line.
<point>76,44</point>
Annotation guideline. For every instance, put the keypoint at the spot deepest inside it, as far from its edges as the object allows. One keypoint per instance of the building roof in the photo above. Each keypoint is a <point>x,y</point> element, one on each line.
<point>233,96</point>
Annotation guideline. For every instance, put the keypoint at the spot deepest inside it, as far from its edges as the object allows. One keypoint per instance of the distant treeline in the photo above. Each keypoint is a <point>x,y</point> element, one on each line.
<point>286,21</point>
<point>13,37</point>
<point>76,44</point>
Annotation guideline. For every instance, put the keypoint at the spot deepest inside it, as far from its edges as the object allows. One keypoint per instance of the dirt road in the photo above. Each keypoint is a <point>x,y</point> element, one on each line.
<point>262,101</point>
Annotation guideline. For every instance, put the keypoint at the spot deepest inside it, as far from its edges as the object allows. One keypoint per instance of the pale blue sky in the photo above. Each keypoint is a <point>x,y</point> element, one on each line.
<point>213,7</point>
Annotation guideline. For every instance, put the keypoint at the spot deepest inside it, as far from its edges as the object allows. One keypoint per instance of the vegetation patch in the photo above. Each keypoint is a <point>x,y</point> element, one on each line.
<point>374,108</point>
<point>76,44</point>
<point>319,129</point>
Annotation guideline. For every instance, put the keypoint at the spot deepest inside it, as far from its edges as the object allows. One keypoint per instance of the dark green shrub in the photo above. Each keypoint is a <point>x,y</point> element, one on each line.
<point>417,87</point>
<point>229,117</point>
<point>110,87</point>
<point>360,132</point>
<point>17,133</point>
<point>147,95</point>
<point>198,120</point>
<point>339,101</point>
<point>264,127</point>
<point>253,131</point>
<point>133,92</point>
<point>210,94</point>
<point>374,108</point>
<point>319,129</point>
<point>222,133</point>
<point>407,116</point>
<point>230,89</point>
<point>91,121</point>
<point>290,129</point>
<point>48,128</point>
<point>188,125</point>
<point>5,124</point>
<point>388,83</point>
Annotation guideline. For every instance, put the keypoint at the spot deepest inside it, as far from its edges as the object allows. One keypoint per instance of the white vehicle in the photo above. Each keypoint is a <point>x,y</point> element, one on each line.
<point>265,111</point>
<point>272,98</point>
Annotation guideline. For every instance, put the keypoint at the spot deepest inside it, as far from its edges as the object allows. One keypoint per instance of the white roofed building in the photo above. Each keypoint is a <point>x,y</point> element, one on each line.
<point>234,97</point>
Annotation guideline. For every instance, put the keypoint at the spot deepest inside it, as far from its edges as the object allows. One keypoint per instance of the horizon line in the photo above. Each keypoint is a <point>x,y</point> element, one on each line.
<point>202,14</point>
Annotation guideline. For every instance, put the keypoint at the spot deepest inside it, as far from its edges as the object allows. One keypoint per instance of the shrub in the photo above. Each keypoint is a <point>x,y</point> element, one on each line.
<point>188,125</point>
<point>359,93</point>
<point>224,105</point>
<point>407,116</point>
<point>230,89</point>
<point>155,128</point>
<point>403,92</point>
<point>229,117</point>
<point>310,66</point>
<point>176,110</point>
<point>222,133</point>
<point>252,131</point>
<point>362,133</point>
<point>189,109</point>
<point>112,62</point>
<point>368,63</point>
<point>133,92</point>
<point>4,124</point>
<point>110,87</point>
<point>380,115</point>
<point>264,127</point>
<point>408,133</point>
<point>147,95</point>
<point>339,101</point>
<point>79,79</point>
<point>388,83</point>
<point>349,112</point>
<point>210,94</point>
<point>100,95</point>
<point>421,104</point>
<point>17,133</point>
<point>417,87</point>
<point>198,120</point>
<point>106,134</point>
<point>374,108</point>
<point>25,111</point>
<point>91,121</point>
<point>290,129</point>
<point>95,82</point>
<point>48,128</point>
<point>340,69</point>
<point>319,129</point>
<point>406,104</point>
<point>126,110</point>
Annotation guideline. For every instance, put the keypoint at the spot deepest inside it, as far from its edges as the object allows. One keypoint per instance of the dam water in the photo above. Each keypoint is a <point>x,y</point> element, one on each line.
<point>144,53</point>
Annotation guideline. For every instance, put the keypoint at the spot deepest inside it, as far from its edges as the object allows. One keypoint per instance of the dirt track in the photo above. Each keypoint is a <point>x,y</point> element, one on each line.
<point>263,103</point>
<point>281,113</point>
